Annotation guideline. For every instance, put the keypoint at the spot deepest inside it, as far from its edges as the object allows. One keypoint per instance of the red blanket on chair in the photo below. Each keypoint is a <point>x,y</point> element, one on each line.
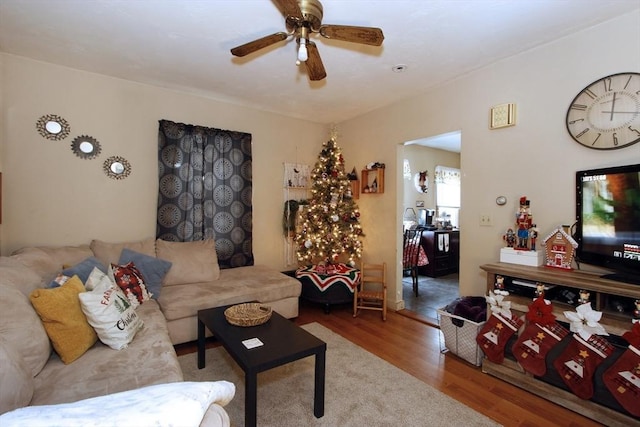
<point>422,258</point>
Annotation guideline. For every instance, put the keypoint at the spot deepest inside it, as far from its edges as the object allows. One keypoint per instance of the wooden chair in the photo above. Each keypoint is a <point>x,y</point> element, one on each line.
<point>371,292</point>
<point>411,254</point>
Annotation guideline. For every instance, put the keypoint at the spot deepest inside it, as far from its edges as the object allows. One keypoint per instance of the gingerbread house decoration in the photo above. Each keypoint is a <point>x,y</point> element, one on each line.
<point>560,249</point>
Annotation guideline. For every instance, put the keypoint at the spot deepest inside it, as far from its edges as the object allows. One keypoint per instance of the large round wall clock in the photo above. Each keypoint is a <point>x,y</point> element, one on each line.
<point>606,114</point>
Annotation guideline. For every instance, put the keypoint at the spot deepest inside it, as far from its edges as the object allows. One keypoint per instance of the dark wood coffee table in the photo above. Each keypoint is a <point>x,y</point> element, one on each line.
<point>284,342</point>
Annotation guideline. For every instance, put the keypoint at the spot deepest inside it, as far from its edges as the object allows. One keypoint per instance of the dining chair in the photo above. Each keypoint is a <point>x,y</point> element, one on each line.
<point>413,256</point>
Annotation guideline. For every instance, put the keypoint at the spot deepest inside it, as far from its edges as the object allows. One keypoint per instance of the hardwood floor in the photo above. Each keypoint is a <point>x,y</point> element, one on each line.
<point>415,348</point>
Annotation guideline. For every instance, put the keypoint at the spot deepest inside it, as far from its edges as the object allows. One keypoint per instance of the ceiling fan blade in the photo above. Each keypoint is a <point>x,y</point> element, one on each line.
<point>290,8</point>
<point>315,69</point>
<point>258,44</point>
<point>364,35</point>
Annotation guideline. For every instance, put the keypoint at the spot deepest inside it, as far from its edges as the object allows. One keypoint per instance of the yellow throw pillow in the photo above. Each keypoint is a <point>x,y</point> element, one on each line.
<point>63,319</point>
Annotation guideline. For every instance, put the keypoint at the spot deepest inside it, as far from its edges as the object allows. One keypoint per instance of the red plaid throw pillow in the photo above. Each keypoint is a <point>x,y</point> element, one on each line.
<point>130,280</point>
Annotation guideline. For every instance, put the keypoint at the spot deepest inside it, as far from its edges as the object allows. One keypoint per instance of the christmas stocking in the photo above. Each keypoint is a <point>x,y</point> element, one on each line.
<point>578,362</point>
<point>623,377</point>
<point>534,343</point>
<point>494,335</point>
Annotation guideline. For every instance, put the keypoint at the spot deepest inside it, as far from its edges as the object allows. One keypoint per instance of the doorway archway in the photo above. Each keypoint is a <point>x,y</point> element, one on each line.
<point>423,155</point>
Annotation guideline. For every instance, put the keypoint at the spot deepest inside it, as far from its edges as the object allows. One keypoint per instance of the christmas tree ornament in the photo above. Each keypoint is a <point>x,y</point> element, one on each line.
<point>622,378</point>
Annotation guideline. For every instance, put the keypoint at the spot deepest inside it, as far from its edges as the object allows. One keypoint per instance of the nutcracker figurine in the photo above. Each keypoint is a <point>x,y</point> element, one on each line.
<point>524,221</point>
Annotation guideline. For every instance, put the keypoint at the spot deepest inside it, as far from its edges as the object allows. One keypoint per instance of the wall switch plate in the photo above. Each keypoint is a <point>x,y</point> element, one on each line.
<point>485,220</point>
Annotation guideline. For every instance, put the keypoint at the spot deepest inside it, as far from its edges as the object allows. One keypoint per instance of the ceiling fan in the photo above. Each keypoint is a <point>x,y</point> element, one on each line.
<point>302,18</point>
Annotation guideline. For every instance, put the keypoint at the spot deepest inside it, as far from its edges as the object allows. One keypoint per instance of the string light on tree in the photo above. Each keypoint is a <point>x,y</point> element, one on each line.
<point>330,228</point>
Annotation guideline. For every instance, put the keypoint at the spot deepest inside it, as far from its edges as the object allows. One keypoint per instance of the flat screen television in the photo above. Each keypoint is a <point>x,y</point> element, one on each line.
<point>608,220</point>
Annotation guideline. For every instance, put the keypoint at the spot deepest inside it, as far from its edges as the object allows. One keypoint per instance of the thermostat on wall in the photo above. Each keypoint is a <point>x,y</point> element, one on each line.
<point>503,115</point>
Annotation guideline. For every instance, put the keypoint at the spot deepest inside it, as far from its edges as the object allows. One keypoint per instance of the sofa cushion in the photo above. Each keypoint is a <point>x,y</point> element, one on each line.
<point>16,379</point>
<point>149,359</point>
<point>235,285</point>
<point>175,404</point>
<point>153,269</point>
<point>109,311</point>
<point>191,262</point>
<point>65,256</point>
<point>109,253</point>
<point>129,279</point>
<point>19,320</point>
<point>17,275</point>
<point>48,261</point>
<point>37,261</point>
<point>63,319</point>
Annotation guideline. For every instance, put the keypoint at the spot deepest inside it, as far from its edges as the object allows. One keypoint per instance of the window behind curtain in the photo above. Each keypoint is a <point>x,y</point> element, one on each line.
<point>205,189</point>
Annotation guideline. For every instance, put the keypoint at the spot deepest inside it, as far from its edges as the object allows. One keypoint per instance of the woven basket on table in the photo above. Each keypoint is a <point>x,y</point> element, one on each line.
<point>249,314</point>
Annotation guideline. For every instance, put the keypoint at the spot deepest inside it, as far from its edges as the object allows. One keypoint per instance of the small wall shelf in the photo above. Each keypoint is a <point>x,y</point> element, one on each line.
<point>372,181</point>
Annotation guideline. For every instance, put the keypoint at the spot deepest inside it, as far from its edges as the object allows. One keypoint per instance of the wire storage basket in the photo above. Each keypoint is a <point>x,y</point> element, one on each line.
<point>460,336</point>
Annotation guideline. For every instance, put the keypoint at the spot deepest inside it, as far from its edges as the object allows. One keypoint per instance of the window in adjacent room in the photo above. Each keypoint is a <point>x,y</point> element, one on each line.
<point>447,182</point>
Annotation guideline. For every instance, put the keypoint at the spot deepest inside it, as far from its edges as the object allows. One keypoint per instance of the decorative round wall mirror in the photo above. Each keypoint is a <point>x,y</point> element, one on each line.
<point>421,182</point>
<point>85,147</point>
<point>117,167</point>
<point>53,127</point>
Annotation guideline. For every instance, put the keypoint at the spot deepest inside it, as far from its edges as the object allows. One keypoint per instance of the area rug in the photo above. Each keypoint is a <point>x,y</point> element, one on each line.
<point>361,390</point>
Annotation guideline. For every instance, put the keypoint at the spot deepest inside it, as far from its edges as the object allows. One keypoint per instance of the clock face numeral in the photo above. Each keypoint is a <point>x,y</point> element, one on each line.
<point>582,133</point>
<point>609,106</point>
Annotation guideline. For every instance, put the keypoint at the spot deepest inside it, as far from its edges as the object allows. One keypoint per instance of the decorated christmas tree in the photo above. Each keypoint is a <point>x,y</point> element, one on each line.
<point>329,229</point>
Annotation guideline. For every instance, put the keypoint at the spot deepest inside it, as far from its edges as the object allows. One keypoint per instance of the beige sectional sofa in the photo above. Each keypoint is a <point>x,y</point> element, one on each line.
<point>31,373</point>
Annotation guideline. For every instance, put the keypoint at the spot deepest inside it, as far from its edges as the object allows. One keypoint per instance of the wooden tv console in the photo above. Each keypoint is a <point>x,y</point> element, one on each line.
<point>603,293</point>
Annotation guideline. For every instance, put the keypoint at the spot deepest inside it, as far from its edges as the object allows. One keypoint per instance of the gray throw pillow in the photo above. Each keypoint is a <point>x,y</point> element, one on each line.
<point>83,269</point>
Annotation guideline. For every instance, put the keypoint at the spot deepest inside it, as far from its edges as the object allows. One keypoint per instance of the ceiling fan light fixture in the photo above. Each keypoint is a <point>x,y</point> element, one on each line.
<point>302,19</point>
<point>303,54</point>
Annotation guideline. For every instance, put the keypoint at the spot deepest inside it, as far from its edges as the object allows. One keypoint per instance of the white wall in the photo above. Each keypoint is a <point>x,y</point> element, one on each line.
<point>52,197</point>
<point>536,158</point>
<point>424,158</point>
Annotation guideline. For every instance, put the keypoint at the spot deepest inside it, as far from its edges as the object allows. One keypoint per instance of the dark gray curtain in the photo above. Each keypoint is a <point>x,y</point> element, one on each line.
<point>205,189</point>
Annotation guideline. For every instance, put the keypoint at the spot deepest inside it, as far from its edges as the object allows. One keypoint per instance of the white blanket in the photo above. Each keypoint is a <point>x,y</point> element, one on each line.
<point>174,404</point>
